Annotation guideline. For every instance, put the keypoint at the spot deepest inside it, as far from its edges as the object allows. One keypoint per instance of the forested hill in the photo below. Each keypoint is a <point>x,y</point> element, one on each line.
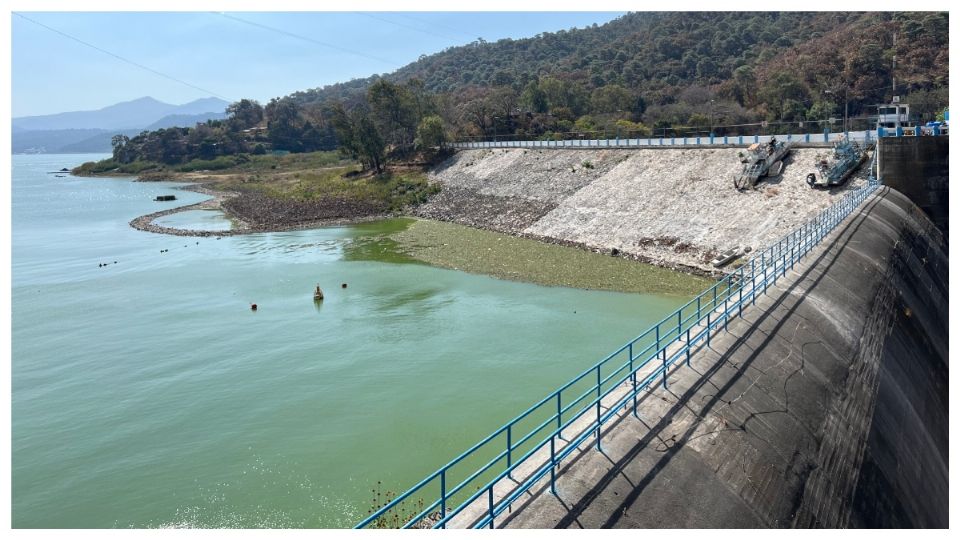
<point>742,56</point>
<point>680,73</point>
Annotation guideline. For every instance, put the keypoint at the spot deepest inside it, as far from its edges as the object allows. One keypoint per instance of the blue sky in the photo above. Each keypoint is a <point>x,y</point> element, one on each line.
<point>52,73</point>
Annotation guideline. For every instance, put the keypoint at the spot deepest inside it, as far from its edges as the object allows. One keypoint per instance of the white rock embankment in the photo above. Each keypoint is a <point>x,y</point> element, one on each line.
<point>672,207</point>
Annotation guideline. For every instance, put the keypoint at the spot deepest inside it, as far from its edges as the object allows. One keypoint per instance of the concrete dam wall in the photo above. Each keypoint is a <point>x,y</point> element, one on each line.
<point>919,167</point>
<point>826,405</point>
<point>676,208</point>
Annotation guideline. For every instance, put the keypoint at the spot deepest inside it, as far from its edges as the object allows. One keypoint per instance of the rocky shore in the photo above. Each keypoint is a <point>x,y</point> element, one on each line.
<point>253,212</point>
<point>675,208</point>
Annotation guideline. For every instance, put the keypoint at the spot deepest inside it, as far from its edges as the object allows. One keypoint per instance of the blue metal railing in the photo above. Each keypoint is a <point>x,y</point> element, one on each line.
<point>865,136</point>
<point>577,409</point>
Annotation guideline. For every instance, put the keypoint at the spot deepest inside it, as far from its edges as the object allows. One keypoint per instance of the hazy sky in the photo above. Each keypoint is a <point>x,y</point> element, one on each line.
<point>53,73</point>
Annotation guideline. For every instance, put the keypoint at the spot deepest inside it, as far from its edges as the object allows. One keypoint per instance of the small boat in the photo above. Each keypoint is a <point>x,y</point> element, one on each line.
<point>726,257</point>
<point>317,294</point>
<point>833,170</point>
<point>166,198</point>
<point>761,160</point>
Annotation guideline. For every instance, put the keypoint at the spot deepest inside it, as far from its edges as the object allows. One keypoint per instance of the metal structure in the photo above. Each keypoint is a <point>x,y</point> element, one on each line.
<point>761,160</point>
<point>482,482</point>
<point>665,142</point>
<point>834,169</point>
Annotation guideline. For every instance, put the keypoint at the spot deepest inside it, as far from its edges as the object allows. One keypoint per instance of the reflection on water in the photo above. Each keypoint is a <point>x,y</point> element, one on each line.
<point>372,242</point>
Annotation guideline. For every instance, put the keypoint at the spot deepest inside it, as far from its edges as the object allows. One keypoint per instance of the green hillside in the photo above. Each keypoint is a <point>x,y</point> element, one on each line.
<point>642,73</point>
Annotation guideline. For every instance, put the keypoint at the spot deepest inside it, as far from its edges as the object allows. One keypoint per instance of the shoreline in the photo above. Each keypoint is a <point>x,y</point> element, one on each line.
<point>241,227</point>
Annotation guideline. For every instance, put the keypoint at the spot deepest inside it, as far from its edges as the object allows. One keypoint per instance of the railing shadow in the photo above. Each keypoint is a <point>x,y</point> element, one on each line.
<point>823,263</point>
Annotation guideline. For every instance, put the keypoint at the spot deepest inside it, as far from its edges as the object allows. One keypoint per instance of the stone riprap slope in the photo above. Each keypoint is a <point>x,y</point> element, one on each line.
<point>508,191</point>
<point>671,207</point>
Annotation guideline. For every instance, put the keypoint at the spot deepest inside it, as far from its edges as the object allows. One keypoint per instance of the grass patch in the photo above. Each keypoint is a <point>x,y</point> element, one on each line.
<point>395,191</point>
<point>520,259</point>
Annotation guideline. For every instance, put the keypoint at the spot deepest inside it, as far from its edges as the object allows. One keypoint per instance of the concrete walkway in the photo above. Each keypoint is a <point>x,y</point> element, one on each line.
<point>777,424</point>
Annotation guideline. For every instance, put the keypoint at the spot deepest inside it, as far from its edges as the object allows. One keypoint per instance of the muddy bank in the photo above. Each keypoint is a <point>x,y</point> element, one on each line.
<point>675,208</point>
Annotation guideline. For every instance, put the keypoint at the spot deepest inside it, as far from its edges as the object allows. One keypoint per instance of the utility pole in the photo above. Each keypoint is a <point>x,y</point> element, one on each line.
<point>893,72</point>
<point>846,102</point>
<point>711,118</point>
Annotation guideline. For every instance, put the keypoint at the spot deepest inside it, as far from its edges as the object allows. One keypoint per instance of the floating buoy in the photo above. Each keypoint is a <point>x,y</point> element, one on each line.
<point>253,307</point>
<point>343,285</point>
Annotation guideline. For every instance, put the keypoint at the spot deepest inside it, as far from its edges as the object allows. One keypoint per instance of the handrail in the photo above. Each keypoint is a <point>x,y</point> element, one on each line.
<point>867,136</point>
<point>713,310</point>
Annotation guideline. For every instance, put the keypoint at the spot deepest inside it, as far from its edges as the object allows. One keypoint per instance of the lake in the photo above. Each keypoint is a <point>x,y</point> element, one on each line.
<point>146,393</point>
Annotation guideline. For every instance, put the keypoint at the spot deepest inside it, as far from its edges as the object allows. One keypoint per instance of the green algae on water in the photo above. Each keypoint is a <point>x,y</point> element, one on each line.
<point>472,250</point>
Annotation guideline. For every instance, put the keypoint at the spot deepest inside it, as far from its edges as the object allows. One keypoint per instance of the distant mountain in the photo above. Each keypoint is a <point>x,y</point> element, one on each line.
<point>135,114</point>
<point>49,141</point>
<point>91,131</point>
<point>99,142</point>
<point>185,120</point>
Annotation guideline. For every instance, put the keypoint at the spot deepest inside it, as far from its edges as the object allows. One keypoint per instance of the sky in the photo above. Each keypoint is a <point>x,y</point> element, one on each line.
<point>218,53</point>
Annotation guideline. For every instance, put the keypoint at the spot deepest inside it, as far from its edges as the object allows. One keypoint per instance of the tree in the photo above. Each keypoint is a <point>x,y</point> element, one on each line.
<point>358,136</point>
<point>394,112</point>
<point>284,124</point>
<point>244,114</point>
<point>611,99</point>
<point>121,153</point>
<point>430,132</point>
<point>534,99</point>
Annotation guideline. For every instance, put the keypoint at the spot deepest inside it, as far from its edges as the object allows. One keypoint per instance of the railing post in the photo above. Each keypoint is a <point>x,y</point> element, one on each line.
<point>633,380</point>
<point>553,466</point>
<point>740,302</point>
<point>708,328</point>
<point>763,263</point>
<point>559,424</point>
<point>679,323</point>
<point>698,309</point>
<point>598,407</point>
<point>753,281</point>
<point>490,499</point>
<point>443,495</point>
<point>657,328</point>
<point>509,450</point>
<point>726,313</point>
<point>688,346</point>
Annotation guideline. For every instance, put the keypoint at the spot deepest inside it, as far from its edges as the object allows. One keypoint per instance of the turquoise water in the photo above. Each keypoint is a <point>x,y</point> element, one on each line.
<point>146,393</point>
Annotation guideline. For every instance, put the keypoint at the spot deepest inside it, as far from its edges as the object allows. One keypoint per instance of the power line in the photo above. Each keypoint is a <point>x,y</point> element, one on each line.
<point>415,29</point>
<point>468,35</point>
<point>122,59</point>
<point>307,39</point>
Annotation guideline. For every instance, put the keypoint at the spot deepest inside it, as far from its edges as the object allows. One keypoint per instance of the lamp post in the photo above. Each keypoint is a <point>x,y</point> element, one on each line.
<point>495,118</point>
<point>711,118</point>
<point>846,102</point>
